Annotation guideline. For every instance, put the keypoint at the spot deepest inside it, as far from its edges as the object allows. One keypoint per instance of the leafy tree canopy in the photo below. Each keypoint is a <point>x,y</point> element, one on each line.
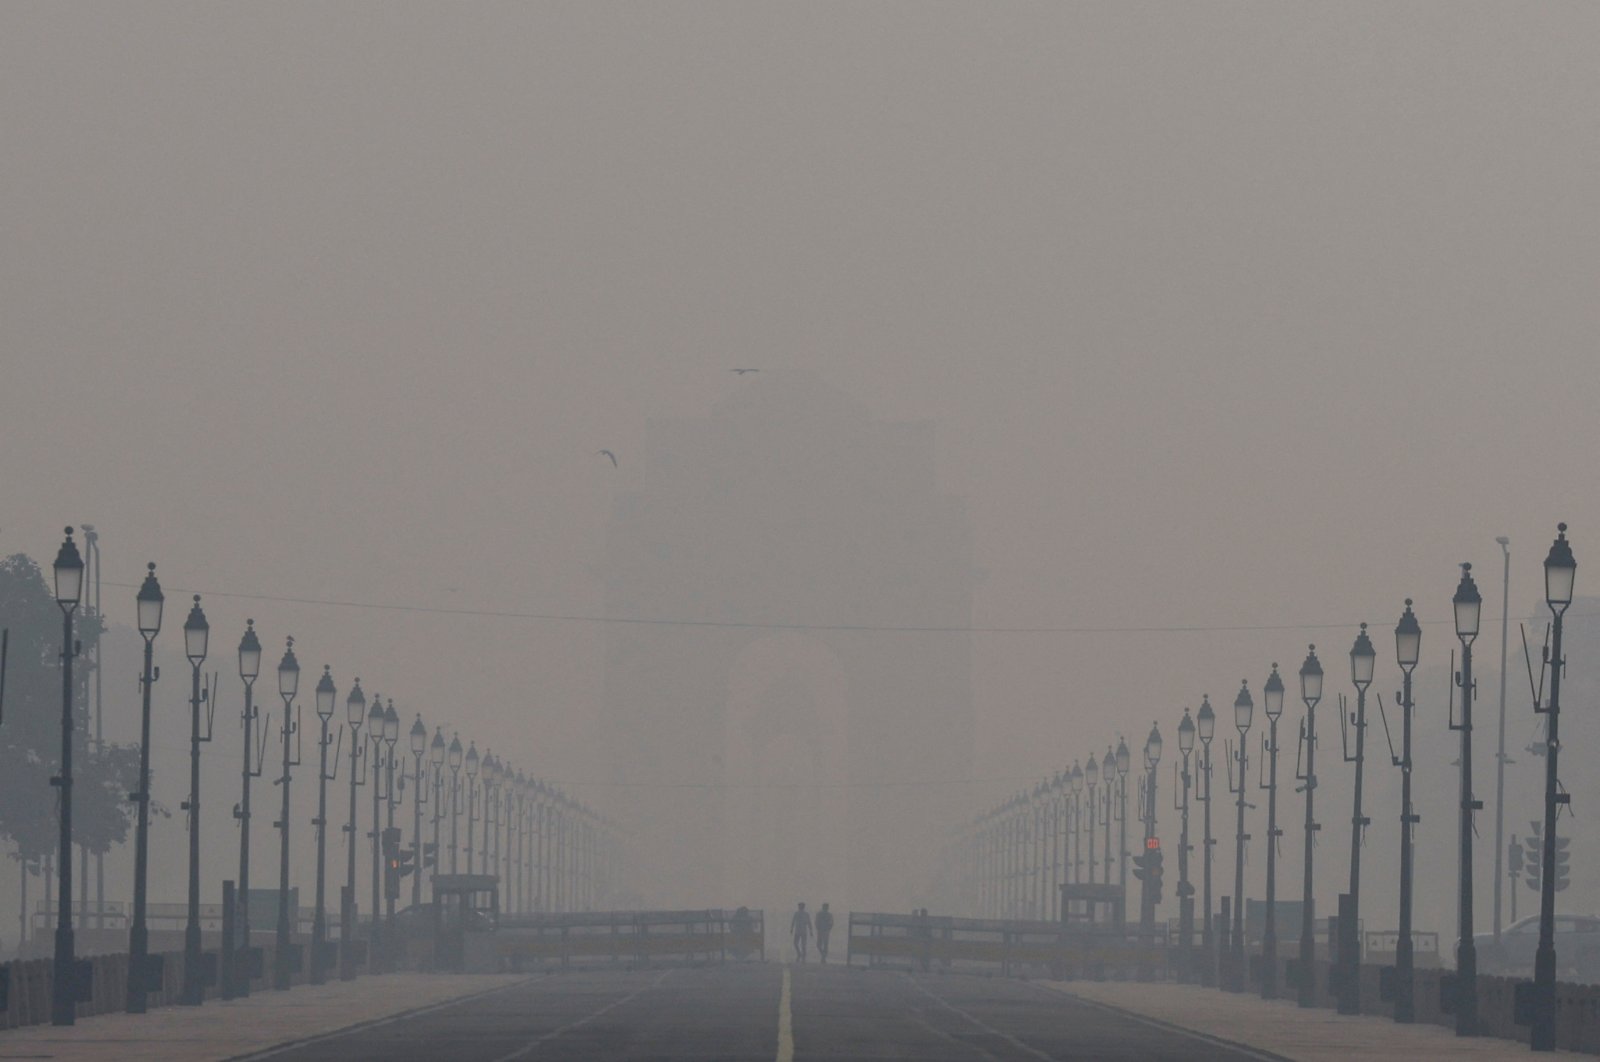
<point>30,737</point>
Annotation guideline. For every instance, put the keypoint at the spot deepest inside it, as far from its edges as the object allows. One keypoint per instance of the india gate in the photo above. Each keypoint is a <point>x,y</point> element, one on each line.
<point>782,744</point>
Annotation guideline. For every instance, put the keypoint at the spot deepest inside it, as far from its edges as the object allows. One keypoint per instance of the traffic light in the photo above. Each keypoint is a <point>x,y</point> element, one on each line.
<point>1561,862</point>
<point>391,841</point>
<point>1533,864</point>
<point>1514,860</point>
<point>430,855</point>
<point>1152,863</point>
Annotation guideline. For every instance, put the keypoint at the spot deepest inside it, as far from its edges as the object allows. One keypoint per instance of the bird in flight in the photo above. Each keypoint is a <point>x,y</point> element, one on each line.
<point>611,455</point>
<point>741,372</point>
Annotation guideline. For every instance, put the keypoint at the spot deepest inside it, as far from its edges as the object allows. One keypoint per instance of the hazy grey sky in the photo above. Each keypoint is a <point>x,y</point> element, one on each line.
<point>1229,314</point>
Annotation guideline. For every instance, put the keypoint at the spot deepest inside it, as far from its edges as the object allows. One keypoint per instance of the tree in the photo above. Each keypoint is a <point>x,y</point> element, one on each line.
<point>30,737</point>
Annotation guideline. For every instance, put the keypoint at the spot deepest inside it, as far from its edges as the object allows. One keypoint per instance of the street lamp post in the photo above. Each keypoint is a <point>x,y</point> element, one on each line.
<point>472,764</point>
<point>1468,605</point>
<point>1272,705</point>
<point>288,686</point>
<point>1124,761</point>
<point>1560,571</point>
<point>1362,659</point>
<point>1150,894</point>
<point>436,761</point>
<point>1185,888</point>
<point>1206,727</point>
<point>150,604</point>
<point>375,742</point>
<point>1091,775</point>
<point>454,757</point>
<point>196,635</point>
<point>391,735</point>
<point>319,920</point>
<point>1243,710</point>
<point>69,588</point>
<point>1407,649</point>
<point>419,746</point>
<point>233,955</point>
<point>1310,695</point>
<point>355,713</point>
<point>1500,758</point>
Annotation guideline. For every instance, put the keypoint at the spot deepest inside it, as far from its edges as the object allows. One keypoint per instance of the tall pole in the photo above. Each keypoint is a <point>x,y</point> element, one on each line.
<point>288,685</point>
<point>1236,979</point>
<point>91,539</point>
<point>1185,889</point>
<point>249,669</point>
<point>389,895</point>
<point>1408,643</point>
<point>455,813</point>
<point>1310,695</point>
<point>375,929</point>
<point>1466,951</point>
<point>1273,697</point>
<point>1362,656</point>
<point>319,918</point>
<point>1500,747</point>
<point>194,985</point>
<point>417,800</point>
<point>150,598</point>
<point>355,714</point>
<point>1560,570</point>
<point>1206,721</point>
<point>69,583</point>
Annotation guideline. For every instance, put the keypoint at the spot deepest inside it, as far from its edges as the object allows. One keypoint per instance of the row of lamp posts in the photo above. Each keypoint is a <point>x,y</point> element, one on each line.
<point>560,852</point>
<point>1019,852</point>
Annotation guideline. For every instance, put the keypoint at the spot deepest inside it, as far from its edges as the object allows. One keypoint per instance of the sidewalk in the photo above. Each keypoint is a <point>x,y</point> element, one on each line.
<point>1280,1027</point>
<point>221,1030</point>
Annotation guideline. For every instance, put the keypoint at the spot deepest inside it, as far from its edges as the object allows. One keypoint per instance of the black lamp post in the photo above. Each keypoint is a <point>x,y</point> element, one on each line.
<point>454,759</point>
<point>1091,775</point>
<point>1362,660</point>
<point>1272,705</point>
<point>1468,606</point>
<point>1124,761</point>
<point>1185,888</point>
<point>249,670</point>
<point>1407,649</point>
<point>419,745</point>
<point>1310,694</point>
<point>391,735</point>
<point>283,959</point>
<point>355,713</point>
<point>473,763</point>
<point>151,601</point>
<point>196,635</point>
<point>1150,894</point>
<point>1206,727</point>
<point>1243,710</point>
<point>1560,571</point>
<point>436,759</point>
<point>491,807</point>
<point>64,982</point>
<point>375,741</point>
<point>1075,825</point>
<point>326,695</point>
<point>1108,773</point>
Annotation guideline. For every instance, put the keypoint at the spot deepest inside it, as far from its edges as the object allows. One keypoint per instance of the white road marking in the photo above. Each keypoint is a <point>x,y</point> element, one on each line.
<point>785,1022</point>
<point>990,1029</point>
<point>532,1045</point>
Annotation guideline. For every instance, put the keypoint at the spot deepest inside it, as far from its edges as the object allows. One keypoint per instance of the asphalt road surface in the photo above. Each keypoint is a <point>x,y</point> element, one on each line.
<point>744,1012</point>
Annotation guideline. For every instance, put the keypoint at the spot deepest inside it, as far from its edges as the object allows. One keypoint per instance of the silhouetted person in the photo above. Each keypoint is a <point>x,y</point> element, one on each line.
<point>824,927</point>
<point>800,926</point>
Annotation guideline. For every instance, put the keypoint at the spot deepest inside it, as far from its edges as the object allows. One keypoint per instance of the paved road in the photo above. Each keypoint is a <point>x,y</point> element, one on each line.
<point>737,1012</point>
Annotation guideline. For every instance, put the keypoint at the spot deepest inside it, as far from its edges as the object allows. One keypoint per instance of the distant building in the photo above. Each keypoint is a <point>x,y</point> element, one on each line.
<point>814,743</point>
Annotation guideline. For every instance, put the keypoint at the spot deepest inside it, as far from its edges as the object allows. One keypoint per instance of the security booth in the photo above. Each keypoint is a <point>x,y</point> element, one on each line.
<point>466,914</point>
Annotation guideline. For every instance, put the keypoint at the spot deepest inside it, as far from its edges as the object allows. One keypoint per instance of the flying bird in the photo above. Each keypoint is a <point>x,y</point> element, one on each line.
<point>611,455</point>
<point>741,372</point>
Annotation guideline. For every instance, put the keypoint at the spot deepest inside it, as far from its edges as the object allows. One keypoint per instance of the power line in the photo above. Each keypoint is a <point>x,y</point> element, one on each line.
<point>892,628</point>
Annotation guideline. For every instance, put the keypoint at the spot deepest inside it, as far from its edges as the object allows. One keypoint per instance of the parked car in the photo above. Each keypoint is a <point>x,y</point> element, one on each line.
<point>1577,940</point>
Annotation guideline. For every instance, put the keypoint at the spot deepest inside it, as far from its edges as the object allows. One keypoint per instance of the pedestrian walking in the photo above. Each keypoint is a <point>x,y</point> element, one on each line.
<point>800,926</point>
<point>824,927</point>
